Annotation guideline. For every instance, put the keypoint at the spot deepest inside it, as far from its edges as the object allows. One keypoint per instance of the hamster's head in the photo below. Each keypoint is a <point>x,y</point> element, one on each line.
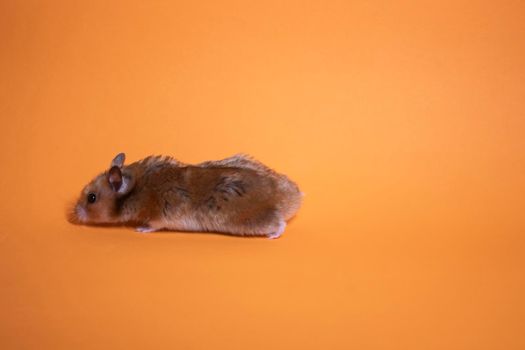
<point>99,200</point>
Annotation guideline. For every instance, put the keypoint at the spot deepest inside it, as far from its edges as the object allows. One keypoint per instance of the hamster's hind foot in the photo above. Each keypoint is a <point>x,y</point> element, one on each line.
<point>278,233</point>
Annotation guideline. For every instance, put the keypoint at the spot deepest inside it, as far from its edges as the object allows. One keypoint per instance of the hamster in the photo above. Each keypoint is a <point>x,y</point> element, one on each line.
<point>236,195</point>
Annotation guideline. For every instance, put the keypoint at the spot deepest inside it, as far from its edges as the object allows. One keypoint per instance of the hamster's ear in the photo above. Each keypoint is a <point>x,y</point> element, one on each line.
<point>118,161</point>
<point>115,178</point>
<point>121,184</point>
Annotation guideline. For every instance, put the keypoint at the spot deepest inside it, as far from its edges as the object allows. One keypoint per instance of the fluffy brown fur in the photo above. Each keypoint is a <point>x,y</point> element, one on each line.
<point>236,195</point>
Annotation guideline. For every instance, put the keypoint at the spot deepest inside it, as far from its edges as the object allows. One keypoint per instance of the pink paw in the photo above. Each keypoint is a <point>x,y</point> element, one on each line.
<point>145,229</point>
<point>279,232</point>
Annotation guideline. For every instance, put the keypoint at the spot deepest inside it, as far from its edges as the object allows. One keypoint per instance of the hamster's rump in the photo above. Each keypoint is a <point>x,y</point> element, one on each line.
<point>288,196</point>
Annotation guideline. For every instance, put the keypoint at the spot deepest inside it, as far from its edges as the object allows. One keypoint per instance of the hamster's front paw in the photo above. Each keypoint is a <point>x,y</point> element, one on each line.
<point>145,229</point>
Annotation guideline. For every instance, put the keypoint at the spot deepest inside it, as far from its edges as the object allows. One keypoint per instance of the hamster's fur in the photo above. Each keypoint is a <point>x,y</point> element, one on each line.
<point>236,195</point>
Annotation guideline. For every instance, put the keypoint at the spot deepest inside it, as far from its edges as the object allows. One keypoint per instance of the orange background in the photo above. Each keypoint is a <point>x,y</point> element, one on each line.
<point>403,122</point>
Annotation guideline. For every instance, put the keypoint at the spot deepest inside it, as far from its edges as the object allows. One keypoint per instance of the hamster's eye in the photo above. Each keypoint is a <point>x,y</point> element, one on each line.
<point>91,198</point>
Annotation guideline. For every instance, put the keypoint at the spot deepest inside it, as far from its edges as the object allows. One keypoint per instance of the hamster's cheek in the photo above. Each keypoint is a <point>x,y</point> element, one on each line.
<point>93,216</point>
<point>98,215</point>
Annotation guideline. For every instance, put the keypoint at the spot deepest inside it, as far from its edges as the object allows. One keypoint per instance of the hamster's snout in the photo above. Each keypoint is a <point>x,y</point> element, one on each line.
<point>80,213</point>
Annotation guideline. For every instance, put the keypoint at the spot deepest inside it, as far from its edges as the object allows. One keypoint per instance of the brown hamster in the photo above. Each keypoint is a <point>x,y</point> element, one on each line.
<point>236,195</point>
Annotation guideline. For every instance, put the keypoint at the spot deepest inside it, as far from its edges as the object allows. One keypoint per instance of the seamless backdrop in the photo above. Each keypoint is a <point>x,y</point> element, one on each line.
<point>403,122</point>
